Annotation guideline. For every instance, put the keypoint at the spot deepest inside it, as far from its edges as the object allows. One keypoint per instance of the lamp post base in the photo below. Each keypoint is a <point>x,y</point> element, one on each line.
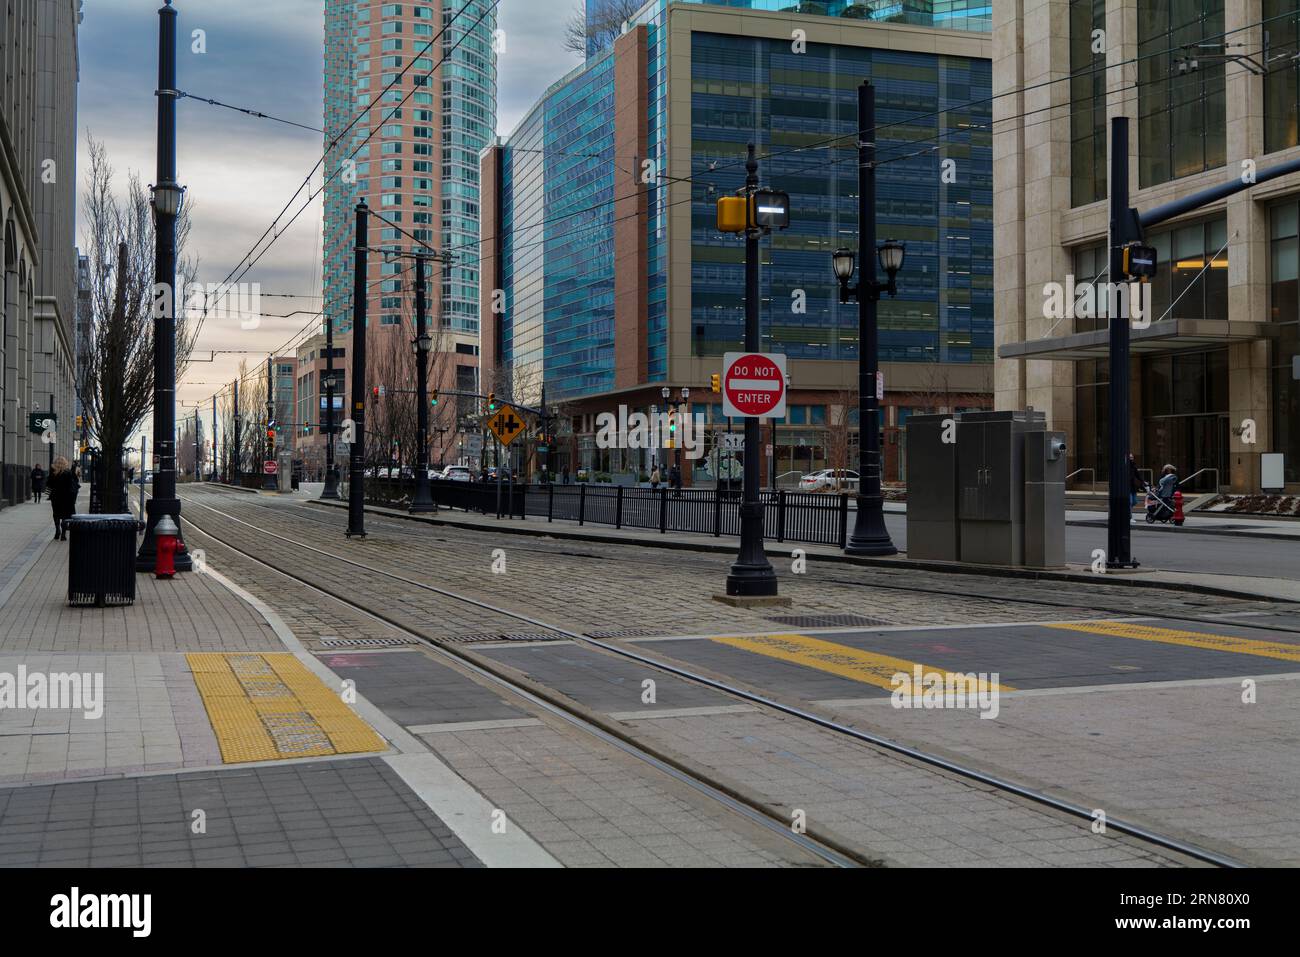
<point>331,489</point>
<point>422,500</point>
<point>870,537</point>
<point>147,558</point>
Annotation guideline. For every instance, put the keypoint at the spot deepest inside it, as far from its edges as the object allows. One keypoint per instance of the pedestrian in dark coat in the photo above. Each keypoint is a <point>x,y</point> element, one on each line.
<point>63,487</point>
<point>38,483</point>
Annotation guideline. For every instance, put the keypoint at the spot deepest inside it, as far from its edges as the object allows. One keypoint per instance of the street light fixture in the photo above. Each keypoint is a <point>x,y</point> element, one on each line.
<point>870,537</point>
<point>168,197</point>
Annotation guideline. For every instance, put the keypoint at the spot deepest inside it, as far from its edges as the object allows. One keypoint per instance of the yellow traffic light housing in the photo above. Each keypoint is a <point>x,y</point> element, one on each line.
<point>492,402</point>
<point>732,214</point>
<point>715,382</point>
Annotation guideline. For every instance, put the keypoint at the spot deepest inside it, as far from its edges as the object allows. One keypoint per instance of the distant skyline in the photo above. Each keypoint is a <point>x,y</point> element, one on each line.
<point>239,170</point>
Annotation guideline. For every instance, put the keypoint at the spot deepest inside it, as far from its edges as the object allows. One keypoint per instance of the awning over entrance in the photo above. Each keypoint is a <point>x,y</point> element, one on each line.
<point>1170,335</point>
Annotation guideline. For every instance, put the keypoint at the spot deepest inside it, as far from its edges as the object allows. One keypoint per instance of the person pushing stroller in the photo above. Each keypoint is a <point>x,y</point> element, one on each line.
<point>1161,501</point>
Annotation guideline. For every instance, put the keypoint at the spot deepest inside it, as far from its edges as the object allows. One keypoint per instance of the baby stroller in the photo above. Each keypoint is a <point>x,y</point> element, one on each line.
<point>1163,510</point>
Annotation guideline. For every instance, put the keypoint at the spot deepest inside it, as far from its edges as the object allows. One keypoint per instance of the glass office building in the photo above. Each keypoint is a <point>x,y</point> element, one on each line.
<point>616,283</point>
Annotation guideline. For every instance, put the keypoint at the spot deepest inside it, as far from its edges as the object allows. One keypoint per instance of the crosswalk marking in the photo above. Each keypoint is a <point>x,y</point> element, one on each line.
<point>868,667</point>
<point>1191,639</point>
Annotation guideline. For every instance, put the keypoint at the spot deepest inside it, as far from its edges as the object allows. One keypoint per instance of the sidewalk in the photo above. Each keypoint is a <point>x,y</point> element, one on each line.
<point>192,728</point>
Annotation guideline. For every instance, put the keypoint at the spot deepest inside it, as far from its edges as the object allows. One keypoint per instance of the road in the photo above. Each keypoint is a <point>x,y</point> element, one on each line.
<point>1181,550</point>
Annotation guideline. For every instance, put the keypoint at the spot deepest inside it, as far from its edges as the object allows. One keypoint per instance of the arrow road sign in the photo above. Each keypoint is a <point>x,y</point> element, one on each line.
<point>753,384</point>
<point>506,426</point>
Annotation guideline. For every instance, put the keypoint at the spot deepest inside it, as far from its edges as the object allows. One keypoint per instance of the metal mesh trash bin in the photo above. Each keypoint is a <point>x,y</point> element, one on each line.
<point>101,559</point>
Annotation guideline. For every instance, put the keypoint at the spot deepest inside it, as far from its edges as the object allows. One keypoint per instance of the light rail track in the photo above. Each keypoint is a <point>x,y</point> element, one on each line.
<point>917,755</point>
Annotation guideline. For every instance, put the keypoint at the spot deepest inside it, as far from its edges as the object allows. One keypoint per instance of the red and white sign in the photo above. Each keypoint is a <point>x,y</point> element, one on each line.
<point>753,384</point>
<point>269,467</point>
<point>880,387</point>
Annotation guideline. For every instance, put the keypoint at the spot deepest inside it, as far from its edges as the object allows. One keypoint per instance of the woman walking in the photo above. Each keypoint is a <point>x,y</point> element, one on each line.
<point>38,483</point>
<point>63,488</point>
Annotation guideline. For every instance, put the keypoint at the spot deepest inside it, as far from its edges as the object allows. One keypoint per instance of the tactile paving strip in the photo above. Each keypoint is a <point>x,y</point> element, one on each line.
<point>267,707</point>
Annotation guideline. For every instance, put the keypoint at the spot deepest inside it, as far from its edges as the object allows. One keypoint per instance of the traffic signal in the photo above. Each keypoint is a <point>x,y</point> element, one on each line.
<point>715,382</point>
<point>433,397</point>
<point>79,421</point>
<point>270,434</point>
<point>375,392</point>
<point>492,402</point>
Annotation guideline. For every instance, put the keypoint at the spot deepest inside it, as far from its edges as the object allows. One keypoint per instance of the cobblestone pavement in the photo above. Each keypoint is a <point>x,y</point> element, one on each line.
<point>595,587</point>
<point>886,807</point>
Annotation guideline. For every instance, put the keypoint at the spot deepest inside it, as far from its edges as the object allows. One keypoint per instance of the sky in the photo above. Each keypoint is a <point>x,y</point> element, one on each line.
<point>240,171</point>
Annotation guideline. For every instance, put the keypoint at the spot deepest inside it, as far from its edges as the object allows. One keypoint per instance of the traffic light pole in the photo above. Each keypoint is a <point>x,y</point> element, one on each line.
<point>331,489</point>
<point>751,575</point>
<point>422,500</point>
<point>1119,511</point>
<point>357,450</point>
<point>269,481</point>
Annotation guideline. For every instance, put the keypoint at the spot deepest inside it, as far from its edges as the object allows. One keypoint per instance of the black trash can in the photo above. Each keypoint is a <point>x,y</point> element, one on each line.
<point>101,559</point>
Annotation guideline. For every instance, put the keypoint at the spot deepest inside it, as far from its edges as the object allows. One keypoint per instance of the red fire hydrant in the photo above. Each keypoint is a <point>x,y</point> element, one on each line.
<point>1178,508</point>
<point>165,535</point>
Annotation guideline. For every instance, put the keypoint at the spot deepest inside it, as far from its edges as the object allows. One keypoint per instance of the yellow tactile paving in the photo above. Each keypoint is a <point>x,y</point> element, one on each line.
<point>264,707</point>
<point>1191,639</point>
<point>855,664</point>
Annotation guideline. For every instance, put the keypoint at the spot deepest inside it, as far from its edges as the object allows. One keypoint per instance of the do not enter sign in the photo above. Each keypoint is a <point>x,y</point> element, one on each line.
<point>753,384</point>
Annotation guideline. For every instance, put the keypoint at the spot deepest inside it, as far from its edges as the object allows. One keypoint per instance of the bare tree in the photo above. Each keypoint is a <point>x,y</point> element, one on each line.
<point>935,391</point>
<point>601,28</point>
<point>116,355</point>
<point>840,422</point>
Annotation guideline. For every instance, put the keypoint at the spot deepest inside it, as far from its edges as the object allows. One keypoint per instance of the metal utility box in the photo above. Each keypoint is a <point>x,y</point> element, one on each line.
<point>990,483</point>
<point>932,531</point>
<point>1045,499</point>
<point>986,488</point>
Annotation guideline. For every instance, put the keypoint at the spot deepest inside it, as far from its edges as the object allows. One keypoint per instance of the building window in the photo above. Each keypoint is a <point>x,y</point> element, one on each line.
<point>1282,82</point>
<point>1284,308</point>
<point>1181,104</point>
<point>1087,102</point>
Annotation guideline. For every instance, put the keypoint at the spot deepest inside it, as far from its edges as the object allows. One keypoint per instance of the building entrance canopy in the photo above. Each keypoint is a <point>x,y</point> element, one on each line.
<point>1170,335</point>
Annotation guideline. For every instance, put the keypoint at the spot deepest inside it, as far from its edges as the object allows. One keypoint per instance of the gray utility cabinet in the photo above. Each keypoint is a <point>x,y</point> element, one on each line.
<point>993,494</point>
<point>932,488</point>
<point>1045,499</point>
<point>990,482</point>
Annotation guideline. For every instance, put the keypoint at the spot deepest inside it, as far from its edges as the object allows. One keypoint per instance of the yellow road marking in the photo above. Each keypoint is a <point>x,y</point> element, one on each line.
<point>852,663</point>
<point>270,706</point>
<point>1191,639</point>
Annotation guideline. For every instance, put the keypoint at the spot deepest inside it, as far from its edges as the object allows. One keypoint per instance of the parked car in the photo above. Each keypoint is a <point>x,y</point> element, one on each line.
<point>457,473</point>
<point>491,474</point>
<point>841,480</point>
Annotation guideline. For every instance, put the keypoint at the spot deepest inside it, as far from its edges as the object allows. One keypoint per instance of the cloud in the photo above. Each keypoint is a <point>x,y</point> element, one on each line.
<point>264,55</point>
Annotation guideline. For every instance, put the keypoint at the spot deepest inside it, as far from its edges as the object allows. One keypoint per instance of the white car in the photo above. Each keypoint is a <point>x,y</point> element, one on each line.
<point>845,480</point>
<point>457,473</point>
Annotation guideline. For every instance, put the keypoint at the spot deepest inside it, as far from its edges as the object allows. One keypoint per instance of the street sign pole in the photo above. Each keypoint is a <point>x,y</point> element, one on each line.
<point>751,575</point>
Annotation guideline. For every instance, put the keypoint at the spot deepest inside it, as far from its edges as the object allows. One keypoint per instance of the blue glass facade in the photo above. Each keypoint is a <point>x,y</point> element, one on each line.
<point>558,174</point>
<point>791,105</point>
<point>559,179</point>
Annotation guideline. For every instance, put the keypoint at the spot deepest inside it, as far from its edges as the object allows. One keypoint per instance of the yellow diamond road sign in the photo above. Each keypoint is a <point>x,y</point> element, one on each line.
<point>506,426</point>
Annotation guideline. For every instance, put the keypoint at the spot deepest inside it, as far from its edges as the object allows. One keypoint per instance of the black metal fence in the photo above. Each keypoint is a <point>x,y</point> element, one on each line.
<point>815,518</point>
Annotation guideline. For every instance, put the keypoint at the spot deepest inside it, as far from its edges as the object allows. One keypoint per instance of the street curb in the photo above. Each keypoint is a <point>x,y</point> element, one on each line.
<point>996,571</point>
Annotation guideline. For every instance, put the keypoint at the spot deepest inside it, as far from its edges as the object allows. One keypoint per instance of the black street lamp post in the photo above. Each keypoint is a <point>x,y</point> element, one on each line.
<point>870,537</point>
<point>167,198</point>
<point>422,500</point>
